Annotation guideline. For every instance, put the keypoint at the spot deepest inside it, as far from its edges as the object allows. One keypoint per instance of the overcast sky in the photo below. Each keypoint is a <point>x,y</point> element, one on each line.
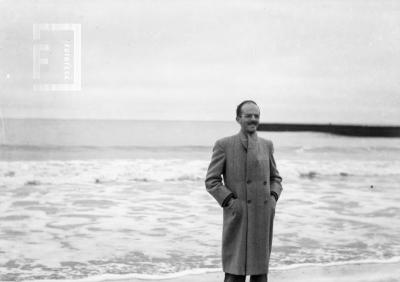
<point>302,61</point>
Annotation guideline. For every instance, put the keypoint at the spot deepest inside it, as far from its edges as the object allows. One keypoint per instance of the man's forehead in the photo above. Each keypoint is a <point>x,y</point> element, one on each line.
<point>250,108</point>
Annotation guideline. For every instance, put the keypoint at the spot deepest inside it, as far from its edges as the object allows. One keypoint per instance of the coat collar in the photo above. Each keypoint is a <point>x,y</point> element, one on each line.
<point>244,138</point>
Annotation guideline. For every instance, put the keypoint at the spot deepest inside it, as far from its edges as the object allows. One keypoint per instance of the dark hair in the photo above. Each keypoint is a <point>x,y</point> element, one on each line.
<point>239,107</point>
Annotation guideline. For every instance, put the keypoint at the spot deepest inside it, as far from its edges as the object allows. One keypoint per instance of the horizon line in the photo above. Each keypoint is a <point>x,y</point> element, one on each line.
<point>193,120</point>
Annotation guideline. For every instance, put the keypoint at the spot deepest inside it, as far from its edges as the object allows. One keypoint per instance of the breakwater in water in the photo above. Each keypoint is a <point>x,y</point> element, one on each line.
<point>340,129</point>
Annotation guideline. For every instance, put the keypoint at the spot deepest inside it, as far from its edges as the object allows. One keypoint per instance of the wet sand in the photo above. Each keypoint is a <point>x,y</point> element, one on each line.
<point>379,272</point>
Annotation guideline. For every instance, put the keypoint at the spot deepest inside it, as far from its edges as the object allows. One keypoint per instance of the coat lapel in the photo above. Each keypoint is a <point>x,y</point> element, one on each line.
<point>245,140</point>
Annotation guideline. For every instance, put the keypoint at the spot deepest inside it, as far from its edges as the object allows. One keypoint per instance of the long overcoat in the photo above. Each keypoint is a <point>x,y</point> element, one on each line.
<point>245,167</point>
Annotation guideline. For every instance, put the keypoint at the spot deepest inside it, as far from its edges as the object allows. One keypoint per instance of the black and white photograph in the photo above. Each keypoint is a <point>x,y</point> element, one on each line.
<point>202,141</point>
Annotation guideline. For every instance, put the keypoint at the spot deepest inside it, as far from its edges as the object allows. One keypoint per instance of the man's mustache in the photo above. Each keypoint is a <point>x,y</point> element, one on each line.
<point>253,123</point>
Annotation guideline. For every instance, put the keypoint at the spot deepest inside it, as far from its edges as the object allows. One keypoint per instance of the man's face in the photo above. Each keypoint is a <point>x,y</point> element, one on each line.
<point>249,118</point>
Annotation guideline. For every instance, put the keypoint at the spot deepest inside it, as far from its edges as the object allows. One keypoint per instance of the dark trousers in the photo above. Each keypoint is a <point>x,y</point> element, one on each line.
<point>242,278</point>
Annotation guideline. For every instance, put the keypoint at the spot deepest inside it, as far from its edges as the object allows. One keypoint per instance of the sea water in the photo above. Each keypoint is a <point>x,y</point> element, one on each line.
<point>85,199</point>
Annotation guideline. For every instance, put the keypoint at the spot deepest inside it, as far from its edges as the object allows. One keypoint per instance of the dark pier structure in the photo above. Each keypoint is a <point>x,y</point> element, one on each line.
<point>340,129</point>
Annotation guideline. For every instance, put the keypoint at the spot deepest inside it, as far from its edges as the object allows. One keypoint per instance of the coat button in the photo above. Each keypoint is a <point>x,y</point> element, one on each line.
<point>249,201</point>
<point>265,182</point>
<point>248,181</point>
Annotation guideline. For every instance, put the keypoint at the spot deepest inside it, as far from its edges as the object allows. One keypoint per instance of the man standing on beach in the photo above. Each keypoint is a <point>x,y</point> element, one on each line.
<point>248,193</point>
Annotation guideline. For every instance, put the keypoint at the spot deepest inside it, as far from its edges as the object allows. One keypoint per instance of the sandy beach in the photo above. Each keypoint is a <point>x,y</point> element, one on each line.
<point>382,272</point>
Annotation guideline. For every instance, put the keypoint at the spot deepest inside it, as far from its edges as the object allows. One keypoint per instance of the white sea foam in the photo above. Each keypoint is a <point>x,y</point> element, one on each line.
<point>118,277</point>
<point>173,170</point>
<point>200,271</point>
<point>337,263</point>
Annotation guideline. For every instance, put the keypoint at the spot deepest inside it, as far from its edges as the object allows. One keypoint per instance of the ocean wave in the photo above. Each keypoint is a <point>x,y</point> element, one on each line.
<point>281,148</point>
<point>315,174</point>
<point>341,175</point>
<point>340,169</point>
<point>342,149</point>
<point>9,147</point>
<point>36,173</point>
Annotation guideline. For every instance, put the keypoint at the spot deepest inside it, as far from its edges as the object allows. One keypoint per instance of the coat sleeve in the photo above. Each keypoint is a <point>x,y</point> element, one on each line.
<point>213,181</point>
<point>275,178</point>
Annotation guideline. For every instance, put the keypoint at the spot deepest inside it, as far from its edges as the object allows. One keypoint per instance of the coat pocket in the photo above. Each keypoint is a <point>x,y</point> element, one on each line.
<point>234,206</point>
